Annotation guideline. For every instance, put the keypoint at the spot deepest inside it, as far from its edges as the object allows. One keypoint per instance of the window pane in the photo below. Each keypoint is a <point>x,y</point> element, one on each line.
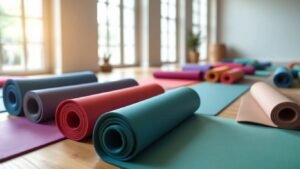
<point>129,37</point>
<point>33,8</point>
<point>102,36</point>
<point>114,2</point>
<point>172,54</point>
<point>35,56</point>
<point>114,15</point>
<point>114,36</point>
<point>10,30</point>
<point>128,18</point>
<point>10,7</point>
<point>128,3</point>
<point>115,55</point>
<point>164,40</point>
<point>164,25</point>
<point>164,54</point>
<point>34,30</point>
<point>164,10</point>
<point>129,55</point>
<point>13,57</point>
<point>172,12</point>
<point>172,26</point>
<point>172,2</point>
<point>102,13</point>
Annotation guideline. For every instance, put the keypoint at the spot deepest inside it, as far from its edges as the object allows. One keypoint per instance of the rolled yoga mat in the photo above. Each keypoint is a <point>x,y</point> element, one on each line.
<point>293,64</point>
<point>218,143</point>
<point>283,77</point>
<point>14,90</point>
<point>40,105</point>
<point>76,117</point>
<point>267,106</point>
<point>249,70</point>
<point>295,73</point>
<point>230,65</point>
<point>232,76</point>
<point>196,67</point>
<point>19,136</point>
<point>187,75</point>
<point>123,133</point>
<point>168,83</point>
<point>214,74</point>
<point>245,61</point>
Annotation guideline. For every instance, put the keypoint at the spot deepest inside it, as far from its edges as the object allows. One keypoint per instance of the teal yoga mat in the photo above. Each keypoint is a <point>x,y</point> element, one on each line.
<point>124,133</point>
<point>215,96</point>
<point>217,143</point>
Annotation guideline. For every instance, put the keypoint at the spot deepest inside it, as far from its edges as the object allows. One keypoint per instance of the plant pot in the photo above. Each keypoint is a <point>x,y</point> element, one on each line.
<point>217,52</point>
<point>194,56</point>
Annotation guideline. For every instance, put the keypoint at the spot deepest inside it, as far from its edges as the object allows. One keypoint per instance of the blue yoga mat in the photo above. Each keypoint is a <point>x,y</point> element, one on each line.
<point>215,96</point>
<point>14,90</point>
<point>217,143</point>
<point>283,77</point>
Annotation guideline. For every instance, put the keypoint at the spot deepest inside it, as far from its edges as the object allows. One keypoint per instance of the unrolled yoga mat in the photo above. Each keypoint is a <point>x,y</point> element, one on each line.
<point>40,105</point>
<point>18,136</point>
<point>123,133</point>
<point>14,90</point>
<point>283,77</point>
<point>76,117</point>
<point>217,143</point>
<point>215,97</point>
<point>187,75</point>
<point>168,83</point>
<point>264,105</point>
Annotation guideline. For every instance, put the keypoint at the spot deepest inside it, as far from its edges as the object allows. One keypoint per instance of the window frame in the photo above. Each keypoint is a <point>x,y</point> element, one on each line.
<point>45,43</point>
<point>177,34</point>
<point>121,33</point>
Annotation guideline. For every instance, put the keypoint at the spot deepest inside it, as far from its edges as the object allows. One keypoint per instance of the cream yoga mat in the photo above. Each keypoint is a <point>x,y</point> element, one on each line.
<point>267,106</point>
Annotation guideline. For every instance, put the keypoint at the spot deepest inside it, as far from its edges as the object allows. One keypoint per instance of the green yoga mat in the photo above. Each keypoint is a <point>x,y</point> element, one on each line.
<point>215,96</point>
<point>216,143</point>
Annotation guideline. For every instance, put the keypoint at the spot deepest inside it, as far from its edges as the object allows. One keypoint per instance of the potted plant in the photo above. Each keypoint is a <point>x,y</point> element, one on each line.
<point>106,67</point>
<point>193,42</point>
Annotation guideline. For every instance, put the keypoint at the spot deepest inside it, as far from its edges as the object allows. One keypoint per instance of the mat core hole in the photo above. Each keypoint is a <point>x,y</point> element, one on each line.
<point>226,78</point>
<point>73,120</point>
<point>113,140</point>
<point>287,115</point>
<point>211,76</point>
<point>32,106</point>
<point>12,98</point>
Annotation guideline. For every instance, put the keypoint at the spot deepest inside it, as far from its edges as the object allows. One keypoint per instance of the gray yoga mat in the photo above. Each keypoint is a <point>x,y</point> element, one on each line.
<point>40,105</point>
<point>14,90</point>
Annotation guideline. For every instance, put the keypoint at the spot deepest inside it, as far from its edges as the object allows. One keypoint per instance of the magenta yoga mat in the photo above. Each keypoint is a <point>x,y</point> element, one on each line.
<point>19,136</point>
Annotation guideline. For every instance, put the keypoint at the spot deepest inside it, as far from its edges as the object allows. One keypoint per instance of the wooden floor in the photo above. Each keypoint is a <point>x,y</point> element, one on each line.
<point>70,154</point>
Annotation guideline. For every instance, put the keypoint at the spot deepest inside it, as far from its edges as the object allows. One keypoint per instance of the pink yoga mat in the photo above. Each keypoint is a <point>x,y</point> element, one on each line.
<point>19,136</point>
<point>168,83</point>
<point>187,75</point>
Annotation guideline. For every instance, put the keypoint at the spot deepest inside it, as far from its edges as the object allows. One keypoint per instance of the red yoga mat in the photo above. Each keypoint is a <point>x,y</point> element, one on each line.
<point>232,76</point>
<point>188,75</point>
<point>76,117</point>
<point>19,136</point>
<point>3,79</point>
<point>168,83</point>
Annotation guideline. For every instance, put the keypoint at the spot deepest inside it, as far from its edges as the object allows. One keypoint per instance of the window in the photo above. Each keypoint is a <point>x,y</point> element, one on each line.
<point>116,19</point>
<point>168,31</point>
<point>199,21</point>
<point>22,46</point>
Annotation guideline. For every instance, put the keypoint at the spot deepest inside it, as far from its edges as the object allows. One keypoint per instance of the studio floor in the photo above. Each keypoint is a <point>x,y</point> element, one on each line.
<point>68,154</point>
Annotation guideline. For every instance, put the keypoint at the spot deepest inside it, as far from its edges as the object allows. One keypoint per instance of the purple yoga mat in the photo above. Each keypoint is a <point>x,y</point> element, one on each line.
<point>19,136</point>
<point>190,75</point>
<point>40,105</point>
<point>196,67</point>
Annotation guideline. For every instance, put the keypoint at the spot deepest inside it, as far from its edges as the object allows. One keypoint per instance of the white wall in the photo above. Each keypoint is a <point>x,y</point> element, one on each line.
<point>75,35</point>
<point>262,29</point>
